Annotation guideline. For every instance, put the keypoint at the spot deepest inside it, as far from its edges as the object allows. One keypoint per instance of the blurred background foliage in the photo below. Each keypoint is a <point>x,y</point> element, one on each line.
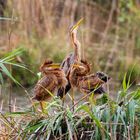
<point>109,35</point>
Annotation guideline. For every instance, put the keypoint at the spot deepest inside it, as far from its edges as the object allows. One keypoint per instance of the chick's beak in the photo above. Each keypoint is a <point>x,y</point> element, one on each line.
<point>76,66</point>
<point>54,65</point>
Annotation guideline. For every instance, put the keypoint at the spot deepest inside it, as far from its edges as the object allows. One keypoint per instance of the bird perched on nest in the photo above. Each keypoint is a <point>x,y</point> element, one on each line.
<point>53,78</point>
<point>85,82</point>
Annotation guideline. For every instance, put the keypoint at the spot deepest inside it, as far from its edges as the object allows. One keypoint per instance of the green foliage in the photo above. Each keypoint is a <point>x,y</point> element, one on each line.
<point>9,67</point>
<point>113,119</point>
<point>8,60</point>
<point>132,75</point>
<point>25,77</point>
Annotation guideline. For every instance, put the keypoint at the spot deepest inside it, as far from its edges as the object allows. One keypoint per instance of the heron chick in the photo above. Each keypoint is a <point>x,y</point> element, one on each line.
<point>53,79</point>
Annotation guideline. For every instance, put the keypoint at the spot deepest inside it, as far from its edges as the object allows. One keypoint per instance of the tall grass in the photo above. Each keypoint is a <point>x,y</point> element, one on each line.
<point>9,59</point>
<point>104,119</point>
<point>109,35</point>
<point>107,119</point>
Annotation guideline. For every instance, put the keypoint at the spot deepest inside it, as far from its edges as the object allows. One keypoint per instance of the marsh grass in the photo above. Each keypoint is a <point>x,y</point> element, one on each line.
<point>42,31</point>
<point>104,119</point>
<point>107,119</point>
<point>109,35</point>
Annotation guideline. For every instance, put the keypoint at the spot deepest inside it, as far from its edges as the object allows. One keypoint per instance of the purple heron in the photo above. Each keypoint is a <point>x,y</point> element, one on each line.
<point>85,82</point>
<point>71,58</point>
<point>53,79</point>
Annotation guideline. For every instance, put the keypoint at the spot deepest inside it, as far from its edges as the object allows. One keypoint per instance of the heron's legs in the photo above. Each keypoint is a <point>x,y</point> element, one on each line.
<point>63,99</point>
<point>42,107</point>
<point>72,96</point>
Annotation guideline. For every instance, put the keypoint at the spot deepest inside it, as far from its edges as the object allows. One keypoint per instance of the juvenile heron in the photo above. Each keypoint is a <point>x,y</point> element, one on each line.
<point>71,58</point>
<point>87,83</point>
<point>53,78</point>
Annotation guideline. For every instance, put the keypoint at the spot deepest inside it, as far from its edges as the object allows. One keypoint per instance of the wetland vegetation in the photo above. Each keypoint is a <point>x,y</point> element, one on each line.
<point>31,31</point>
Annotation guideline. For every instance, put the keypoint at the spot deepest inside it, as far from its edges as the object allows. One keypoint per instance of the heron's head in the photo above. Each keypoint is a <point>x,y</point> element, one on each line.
<point>47,62</point>
<point>48,65</point>
<point>75,27</point>
<point>103,76</point>
<point>53,67</point>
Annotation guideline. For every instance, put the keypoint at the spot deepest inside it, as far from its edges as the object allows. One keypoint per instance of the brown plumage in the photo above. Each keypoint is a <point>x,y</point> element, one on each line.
<point>79,69</point>
<point>47,63</point>
<point>80,79</point>
<point>45,86</point>
<point>93,83</point>
<point>53,78</point>
<point>70,60</point>
<point>89,83</point>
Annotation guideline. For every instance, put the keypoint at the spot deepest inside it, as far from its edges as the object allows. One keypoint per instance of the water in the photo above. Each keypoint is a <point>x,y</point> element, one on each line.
<point>19,100</point>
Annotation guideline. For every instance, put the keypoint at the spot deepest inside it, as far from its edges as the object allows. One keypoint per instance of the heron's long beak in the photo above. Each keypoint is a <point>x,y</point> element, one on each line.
<point>74,27</point>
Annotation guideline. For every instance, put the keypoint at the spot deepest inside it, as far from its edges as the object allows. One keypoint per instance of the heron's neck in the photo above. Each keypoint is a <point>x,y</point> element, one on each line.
<point>77,46</point>
<point>77,50</point>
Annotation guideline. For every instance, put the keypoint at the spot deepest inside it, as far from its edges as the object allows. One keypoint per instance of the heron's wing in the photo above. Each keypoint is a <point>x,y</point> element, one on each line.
<point>63,90</point>
<point>102,76</point>
<point>45,86</point>
<point>99,90</point>
<point>89,83</point>
<point>47,81</point>
<point>66,64</point>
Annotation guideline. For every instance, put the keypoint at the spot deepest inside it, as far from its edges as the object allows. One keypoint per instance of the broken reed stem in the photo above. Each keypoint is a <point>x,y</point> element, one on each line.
<point>69,129</point>
<point>129,137</point>
<point>10,67</point>
<point>136,129</point>
<point>113,50</point>
<point>109,22</point>
<point>10,124</point>
<point>10,30</point>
